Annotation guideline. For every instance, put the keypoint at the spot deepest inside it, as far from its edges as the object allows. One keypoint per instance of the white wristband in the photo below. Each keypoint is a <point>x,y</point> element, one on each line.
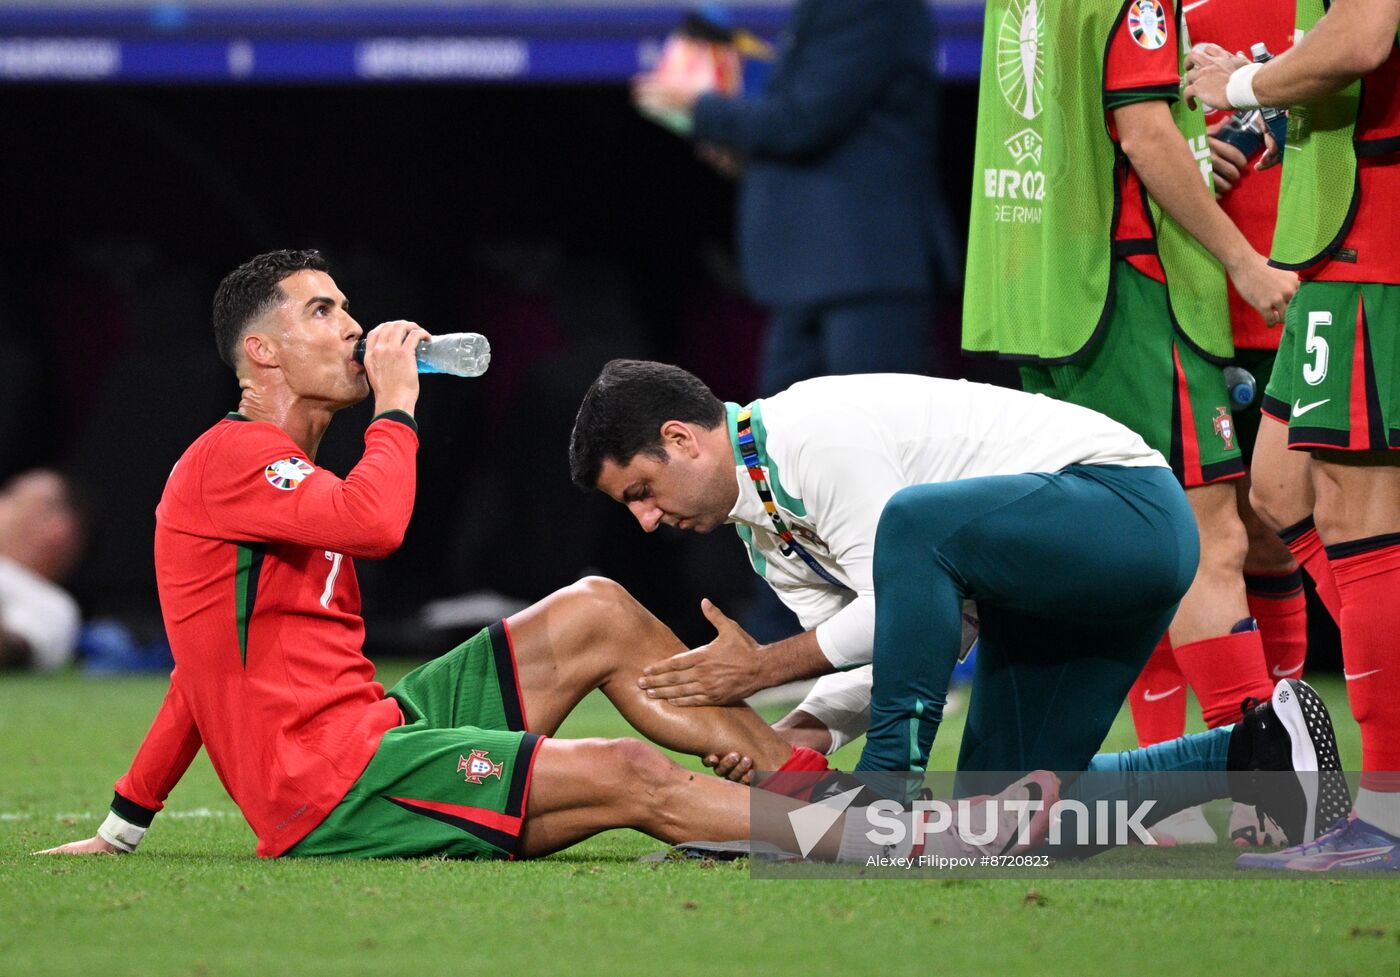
<point>120,833</point>
<point>1239,90</point>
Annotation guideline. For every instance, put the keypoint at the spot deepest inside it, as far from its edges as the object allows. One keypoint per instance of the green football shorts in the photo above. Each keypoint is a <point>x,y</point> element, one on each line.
<point>1139,372</point>
<point>1337,382</point>
<point>453,780</point>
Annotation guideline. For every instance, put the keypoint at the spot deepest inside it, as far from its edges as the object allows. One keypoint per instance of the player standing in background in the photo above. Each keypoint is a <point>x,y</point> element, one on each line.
<point>1336,388</point>
<point>1273,582</point>
<point>1095,258</point>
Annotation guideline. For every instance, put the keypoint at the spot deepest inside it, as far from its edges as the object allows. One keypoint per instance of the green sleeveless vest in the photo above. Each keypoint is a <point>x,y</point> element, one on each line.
<point>1318,196</point>
<point>1040,260</point>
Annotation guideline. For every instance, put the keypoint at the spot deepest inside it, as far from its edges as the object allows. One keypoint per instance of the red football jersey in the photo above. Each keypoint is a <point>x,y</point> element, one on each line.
<point>1237,25</point>
<point>1141,66</point>
<point>1368,252</point>
<point>253,549</point>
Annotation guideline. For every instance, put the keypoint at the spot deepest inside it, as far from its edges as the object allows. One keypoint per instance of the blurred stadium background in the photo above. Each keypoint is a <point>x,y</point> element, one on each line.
<point>473,166</point>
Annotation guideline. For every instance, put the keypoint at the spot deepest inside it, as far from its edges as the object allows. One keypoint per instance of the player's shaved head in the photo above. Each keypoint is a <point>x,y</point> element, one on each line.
<point>251,290</point>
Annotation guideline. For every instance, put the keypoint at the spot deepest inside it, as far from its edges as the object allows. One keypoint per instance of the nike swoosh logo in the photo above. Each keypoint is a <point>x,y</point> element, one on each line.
<point>1280,673</point>
<point>1187,9</point>
<point>1148,695</point>
<point>1300,410</point>
<point>1352,678</point>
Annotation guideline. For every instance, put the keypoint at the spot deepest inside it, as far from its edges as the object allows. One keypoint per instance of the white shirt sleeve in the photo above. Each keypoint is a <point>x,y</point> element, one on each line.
<point>848,485</point>
<point>841,702</point>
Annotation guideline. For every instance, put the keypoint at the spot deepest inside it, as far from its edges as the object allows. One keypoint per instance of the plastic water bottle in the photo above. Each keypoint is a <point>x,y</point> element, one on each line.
<point>1244,131</point>
<point>1241,385</point>
<point>1275,119</point>
<point>458,354</point>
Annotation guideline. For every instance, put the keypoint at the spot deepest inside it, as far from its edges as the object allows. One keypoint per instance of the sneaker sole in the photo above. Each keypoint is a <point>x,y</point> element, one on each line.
<point>1304,715</point>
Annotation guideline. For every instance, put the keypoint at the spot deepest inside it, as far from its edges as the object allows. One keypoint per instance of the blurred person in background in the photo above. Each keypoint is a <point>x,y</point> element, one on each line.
<point>41,538</point>
<point>837,198</point>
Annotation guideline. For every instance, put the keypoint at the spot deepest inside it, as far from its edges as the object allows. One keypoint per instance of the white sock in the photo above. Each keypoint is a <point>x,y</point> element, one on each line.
<point>856,847</point>
<point>1380,809</point>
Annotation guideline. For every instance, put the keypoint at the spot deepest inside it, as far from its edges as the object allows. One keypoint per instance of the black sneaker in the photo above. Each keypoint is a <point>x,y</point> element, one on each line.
<point>1290,732</point>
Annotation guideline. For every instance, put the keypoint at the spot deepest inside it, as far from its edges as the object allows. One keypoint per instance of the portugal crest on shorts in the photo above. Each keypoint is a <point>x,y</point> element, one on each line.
<point>1147,22</point>
<point>478,766</point>
<point>1225,427</point>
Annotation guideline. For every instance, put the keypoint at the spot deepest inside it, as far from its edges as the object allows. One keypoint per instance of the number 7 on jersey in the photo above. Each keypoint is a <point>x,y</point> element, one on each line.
<point>335,559</point>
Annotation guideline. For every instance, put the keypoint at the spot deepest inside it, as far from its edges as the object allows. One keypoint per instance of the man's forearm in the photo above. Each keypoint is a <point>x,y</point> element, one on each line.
<point>1351,40</point>
<point>1168,169</point>
<point>792,659</point>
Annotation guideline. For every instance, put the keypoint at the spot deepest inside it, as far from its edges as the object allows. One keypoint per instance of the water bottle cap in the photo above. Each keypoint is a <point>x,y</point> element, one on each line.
<point>360,351</point>
<point>1259,51</point>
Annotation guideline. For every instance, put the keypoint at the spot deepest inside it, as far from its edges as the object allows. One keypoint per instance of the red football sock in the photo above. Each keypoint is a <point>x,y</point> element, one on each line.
<point>1276,601</point>
<point>1302,541</point>
<point>1223,672</point>
<point>1158,698</point>
<point>1367,572</point>
<point>798,775</point>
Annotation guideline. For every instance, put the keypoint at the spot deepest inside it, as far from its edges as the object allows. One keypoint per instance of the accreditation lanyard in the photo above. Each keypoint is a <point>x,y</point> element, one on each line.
<point>748,450</point>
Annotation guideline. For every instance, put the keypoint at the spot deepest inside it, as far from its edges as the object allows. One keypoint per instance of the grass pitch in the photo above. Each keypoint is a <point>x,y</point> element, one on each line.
<point>195,901</point>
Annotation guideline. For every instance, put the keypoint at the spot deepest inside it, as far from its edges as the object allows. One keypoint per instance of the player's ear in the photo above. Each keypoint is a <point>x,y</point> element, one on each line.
<point>682,436</point>
<point>259,350</point>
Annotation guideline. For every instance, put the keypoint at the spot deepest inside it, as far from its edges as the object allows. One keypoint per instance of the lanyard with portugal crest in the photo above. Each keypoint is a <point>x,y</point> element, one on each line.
<point>748,450</point>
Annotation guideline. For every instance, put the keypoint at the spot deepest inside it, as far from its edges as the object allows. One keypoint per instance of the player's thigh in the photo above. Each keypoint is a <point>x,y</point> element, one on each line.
<point>565,645</point>
<point>458,792</point>
<point>1140,373</point>
<point>1114,543</point>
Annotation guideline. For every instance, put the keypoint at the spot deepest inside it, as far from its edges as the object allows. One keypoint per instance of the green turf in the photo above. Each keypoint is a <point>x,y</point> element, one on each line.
<point>195,901</point>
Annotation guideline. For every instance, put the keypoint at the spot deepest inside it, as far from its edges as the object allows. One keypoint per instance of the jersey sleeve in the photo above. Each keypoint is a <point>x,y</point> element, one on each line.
<point>848,483</point>
<point>258,486</point>
<point>841,703</point>
<point>1141,65</point>
<point>162,759</point>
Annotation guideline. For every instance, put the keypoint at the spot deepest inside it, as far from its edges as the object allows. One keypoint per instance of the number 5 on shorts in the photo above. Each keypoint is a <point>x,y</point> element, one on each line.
<point>1316,371</point>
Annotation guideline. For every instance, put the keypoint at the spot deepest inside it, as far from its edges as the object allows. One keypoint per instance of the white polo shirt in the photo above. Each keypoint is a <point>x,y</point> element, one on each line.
<point>835,449</point>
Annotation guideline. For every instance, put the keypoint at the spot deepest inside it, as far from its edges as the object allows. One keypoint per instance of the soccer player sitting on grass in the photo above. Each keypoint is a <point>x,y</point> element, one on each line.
<point>254,552</point>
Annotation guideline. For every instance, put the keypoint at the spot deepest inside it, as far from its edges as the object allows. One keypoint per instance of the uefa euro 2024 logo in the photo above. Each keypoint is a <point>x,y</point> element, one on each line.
<point>1019,62</point>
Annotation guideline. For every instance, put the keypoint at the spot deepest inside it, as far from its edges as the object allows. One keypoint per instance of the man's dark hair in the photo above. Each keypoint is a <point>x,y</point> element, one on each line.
<point>622,413</point>
<point>252,289</point>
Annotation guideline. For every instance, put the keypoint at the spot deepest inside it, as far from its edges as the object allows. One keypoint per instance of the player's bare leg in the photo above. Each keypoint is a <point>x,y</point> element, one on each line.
<point>1215,641</point>
<point>581,787</point>
<point>1280,490</point>
<point>1216,599</point>
<point>595,635</point>
<point>1358,495</point>
<point>1266,553</point>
